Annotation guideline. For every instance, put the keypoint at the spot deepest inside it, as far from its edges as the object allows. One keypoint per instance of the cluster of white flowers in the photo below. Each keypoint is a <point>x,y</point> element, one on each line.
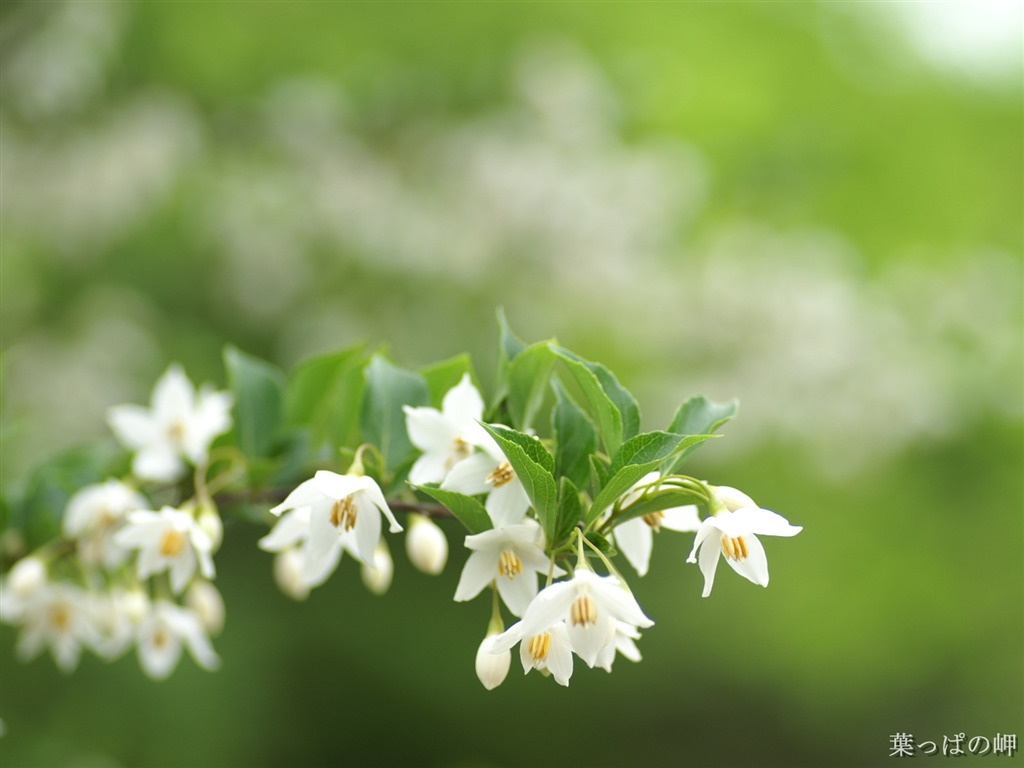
<point>78,591</point>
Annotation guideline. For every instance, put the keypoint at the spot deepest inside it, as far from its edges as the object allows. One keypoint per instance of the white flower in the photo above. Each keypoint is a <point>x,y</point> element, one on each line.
<point>446,437</point>
<point>377,577</point>
<point>206,602</point>
<point>295,570</point>
<point>549,650</point>
<point>345,507</point>
<point>513,556</point>
<point>488,471</point>
<point>116,615</point>
<point>58,616</point>
<point>491,667</point>
<point>180,425</point>
<point>624,642</point>
<point>23,584</point>
<point>94,514</point>
<point>168,540</point>
<point>635,538</point>
<point>731,533</point>
<point>426,545</point>
<point>161,635</point>
<point>590,605</point>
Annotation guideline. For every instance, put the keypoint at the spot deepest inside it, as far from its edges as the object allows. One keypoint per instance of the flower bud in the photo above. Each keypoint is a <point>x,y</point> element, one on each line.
<point>27,576</point>
<point>378,578</point>
<point>731,498</point>
<point>204,599</point>
<point>492,668</point>
<point>426,545</point>
<point>210,523</point>
<point>288,566</point>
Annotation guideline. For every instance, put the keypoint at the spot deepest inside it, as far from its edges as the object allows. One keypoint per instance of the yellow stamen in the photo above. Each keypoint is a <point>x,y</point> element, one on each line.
<point>60,617</point>
<point>654,519</point>
<point>343,514</point>
<point>583,611</point>
<point>176,432</point>
<point>502,475</point>
<point>509,564</point>
<point>172,543</point>
<point>160,638</point>
<point>460,450</point>
<point>538,647</point>
<point>735,548</point>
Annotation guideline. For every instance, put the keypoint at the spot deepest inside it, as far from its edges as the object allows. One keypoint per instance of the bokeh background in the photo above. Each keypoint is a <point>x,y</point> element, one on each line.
<point>816,208</point>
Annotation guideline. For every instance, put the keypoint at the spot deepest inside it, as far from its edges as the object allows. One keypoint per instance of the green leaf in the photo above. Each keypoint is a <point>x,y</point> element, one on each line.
<point>623,478</point>
<point>258,389</point>
<point>570,512</point>
<point>698,416</point>
<point>645,448</point>
<point>575,438</point>
<point>441,377</point>
<point>323,396</point>
<point>530,445</point>
<point>665,499</point>
<point>528,376</point>
<point>467,510</point>
<point>509,347</point>
<point>614,409</point>
<point>39,516</point>
<point>382,419</point>
<point>598,472</point>
<point>533,466</point>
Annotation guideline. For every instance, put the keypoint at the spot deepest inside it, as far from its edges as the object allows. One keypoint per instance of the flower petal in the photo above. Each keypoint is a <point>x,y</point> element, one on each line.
<point>429,430</point>
<point>290,529</point>
<point>173,396</point>
<point>481,569</point>
<point>469,476</point>
<point>508,504</point>
<point>588,640</point>
<point>518,592</point>
<point>305,494</point>
<point>710,549</point>
<point>133,425</point>
<point>462,405</point>
<point>765,522</point>
<point>754,567</point>
<point>367,528</point>
<point>681,519</point>
<point>634,539</point>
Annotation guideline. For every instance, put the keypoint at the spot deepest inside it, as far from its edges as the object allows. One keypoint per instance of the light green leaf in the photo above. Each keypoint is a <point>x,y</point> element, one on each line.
<point>324,394</point>
<point>382,419</point>
<point>698,416</point>
<point>442,376</point>
<point>570,512</point>
<point>533,466</point>
<point>668,498</point>
<point>623,478</point>
<point>575,438</point>
<point>258,389</point>
<point>509,347</point>
<point>467,510</point>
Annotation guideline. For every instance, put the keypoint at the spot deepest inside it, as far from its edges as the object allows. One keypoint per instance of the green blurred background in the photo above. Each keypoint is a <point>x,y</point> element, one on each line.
<point>816,208</point>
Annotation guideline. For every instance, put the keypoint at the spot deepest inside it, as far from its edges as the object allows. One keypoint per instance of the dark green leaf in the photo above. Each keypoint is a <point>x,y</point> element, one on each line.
<point>388,388</point>
<point>575,438</point>
<point>323,396</point>
<point>570,512</point>
<point>528,376</point>
<point>258,389</point>
<point>467,510</point>
<point>663,499</point>
<point>533,447</point>
<point>509,346</point>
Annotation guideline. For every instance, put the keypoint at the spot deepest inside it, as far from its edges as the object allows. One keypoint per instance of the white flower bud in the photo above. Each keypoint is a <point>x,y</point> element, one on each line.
<point>288,566</point>
<point>204,599</point>
<point>492,668</point>
<point>27,576</point>
<point>136,605</point>
<point>378,579</point>
<point>210,523</point>
<point>426,545</point>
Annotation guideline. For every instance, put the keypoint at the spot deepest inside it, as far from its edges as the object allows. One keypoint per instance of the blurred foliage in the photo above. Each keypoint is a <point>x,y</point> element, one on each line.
<point>165,202</point>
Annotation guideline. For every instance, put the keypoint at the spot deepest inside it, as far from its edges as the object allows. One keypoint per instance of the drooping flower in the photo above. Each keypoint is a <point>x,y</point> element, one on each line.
<point>94,514</point>
<point>426,545</point>
<point>168,540</point>
<point>548,650</point>
<point>513,556</point>
<point>377,577</point>
<point>206,603</point>
<point>732,533</point>
<point>635,538</point>
<point>57,615</point>
<point>488,471</point>
<point>446,437</point>
<point>179,426</point>
<point>624,642</point>
<point>161,635</point>
<point>590,605</point>
<point>345,507</point>
<point>491,668</point>
<point>295,569</point>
